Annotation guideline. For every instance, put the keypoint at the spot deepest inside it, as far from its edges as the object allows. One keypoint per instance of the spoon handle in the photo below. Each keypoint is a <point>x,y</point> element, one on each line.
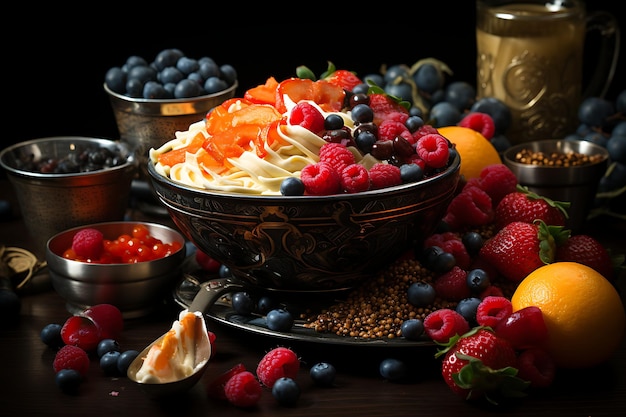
<point>210,291</point>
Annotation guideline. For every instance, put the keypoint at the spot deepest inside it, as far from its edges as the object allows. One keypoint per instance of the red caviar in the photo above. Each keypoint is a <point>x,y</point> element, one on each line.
<point>139,246</point>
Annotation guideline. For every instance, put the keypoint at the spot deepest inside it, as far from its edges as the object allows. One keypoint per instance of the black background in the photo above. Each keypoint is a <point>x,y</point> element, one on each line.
<point>55,59</point>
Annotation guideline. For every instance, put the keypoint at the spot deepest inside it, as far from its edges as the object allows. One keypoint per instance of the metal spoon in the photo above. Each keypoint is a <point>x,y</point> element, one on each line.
<point>202,301</point>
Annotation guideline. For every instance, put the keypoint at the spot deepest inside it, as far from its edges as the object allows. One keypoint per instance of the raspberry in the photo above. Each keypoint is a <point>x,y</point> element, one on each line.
<point>216,387</point>
<point>423,131</point>
<point>397,116</point>
<point>480,122</point>
<point>355,178</point>
<point>88,243</point>
<point>452,285</point>
<point>492,310</point>
<point>337,155</point>
<point>444,323</point>
<point>320,179</point>
<point>71,357</point>
<point>472,207</point>
<point>308,116</point>
<point>277,363</point>
<point>243,389</point>
<point>434,150</point>
<point>497,180</point>
<point>492,291</point>
<point>384,175</point>
<point>389,129</point>
<point>537,367</point>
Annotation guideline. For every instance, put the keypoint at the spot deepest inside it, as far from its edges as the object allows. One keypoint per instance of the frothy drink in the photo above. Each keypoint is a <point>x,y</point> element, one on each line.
<point>530,57</point>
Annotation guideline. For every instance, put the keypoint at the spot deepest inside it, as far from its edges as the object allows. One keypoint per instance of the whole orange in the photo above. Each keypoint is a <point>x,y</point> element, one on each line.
<point>476,151</point>
<point>582,310</point>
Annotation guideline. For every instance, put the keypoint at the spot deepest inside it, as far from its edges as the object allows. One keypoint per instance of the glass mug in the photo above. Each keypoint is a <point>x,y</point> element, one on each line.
<point>530,56</point>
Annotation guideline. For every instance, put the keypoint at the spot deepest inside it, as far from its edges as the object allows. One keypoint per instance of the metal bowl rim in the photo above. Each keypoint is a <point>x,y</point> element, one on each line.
<point>130,157</point>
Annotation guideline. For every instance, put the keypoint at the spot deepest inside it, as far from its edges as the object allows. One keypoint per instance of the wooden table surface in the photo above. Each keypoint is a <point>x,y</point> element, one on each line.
<point>28,387</point>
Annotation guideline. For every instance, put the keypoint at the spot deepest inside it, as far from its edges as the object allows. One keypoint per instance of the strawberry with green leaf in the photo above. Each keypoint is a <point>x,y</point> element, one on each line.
<point>520,247</point>
<point>480,365</point>
<point>524,205</point>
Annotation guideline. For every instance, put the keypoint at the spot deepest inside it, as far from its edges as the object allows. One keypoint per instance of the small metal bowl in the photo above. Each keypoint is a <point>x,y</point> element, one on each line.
<point>51,202</point>
<point>575,184</point>
<point>136,289</point>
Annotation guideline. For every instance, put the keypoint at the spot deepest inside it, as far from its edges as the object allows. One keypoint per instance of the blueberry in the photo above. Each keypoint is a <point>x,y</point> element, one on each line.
<point>411,173</point>
<point>187,88</point>
<point>467,308</point>
<point>154,90</point>
<point>472,241</point>
<point>286,391</point>
<point>429,255</point>
<point>279,320</point>
<point>413,123</point>
<point>51,335</point>
<point>266,304</point>
<point>208,68</point>
<point>421,294</point>
<point>109,363</point>
<point>243,303</point>
<point>68,380</point>
<point>362,113</point>
<point>125,359</point>
<point>392,369</point>
<point>107,345</point>
<point>115,79</point>
<point>214,85</point>
<point>224,271</point>
<point>477,280</point>
<point>167,58</point>
<point>228,74</point>
<point>333,122</point>
<point>142,73</point>
<point>171,75</point>
<point>412,329</point>
<point>187,65</point>
<point>365,140</point>
<point>444,262</point>
<point>323,374</point>
<point>292,186</point>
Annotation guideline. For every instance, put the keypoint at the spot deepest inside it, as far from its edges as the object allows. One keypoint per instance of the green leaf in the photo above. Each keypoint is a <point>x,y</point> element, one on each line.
<point>305,73</point>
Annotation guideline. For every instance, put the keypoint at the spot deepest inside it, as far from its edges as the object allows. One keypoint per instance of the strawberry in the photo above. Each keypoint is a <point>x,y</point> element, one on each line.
<point>588,251</point>
<point>344,79</point>
<point>526,206</point>
<point>519,248</point>
<point>479,365</point>
<point>383,105</point>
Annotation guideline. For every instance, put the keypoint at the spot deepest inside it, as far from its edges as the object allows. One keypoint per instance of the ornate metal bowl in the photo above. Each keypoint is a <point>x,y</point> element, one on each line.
<point>307,243</point>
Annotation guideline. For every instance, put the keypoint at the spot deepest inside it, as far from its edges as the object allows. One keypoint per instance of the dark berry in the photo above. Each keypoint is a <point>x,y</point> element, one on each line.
<point>266,304</point>
<point>467,308</point>
<point>279,320</point>
<point>51,335</point>
<point>286,391</point>
<point>243,303</point>
<point>478,280</point>
<point>108,363</point>
<point>323,374</point>
<point>473,241</point>
<point>125,359</point>
<point>107,345</point>
<point>412,329</point>
<point>292,186</point>
<point>411,173</point>
<point>68,380</point>
<point>333,122</point>
<point>393,369</point>
<point>421,294</point>
<point>224,271</point>
<point>362,113</point>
